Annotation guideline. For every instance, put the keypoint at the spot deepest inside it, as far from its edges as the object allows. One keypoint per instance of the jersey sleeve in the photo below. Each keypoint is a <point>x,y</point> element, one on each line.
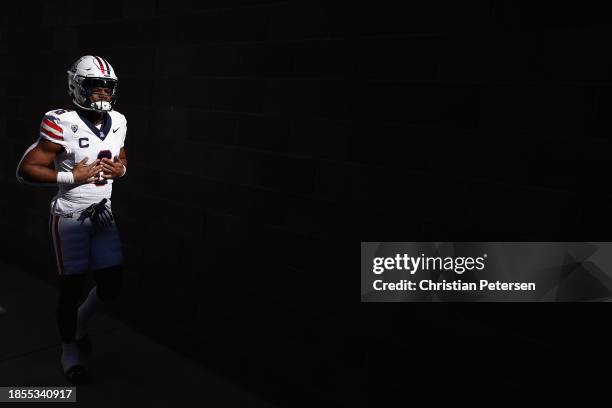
<point>51,130</point>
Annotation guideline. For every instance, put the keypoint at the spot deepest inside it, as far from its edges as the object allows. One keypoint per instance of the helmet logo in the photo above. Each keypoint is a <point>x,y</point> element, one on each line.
<point>74,128</point>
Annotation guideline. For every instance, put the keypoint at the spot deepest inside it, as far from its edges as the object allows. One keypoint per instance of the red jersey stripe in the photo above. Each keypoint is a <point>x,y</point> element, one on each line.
<point>49,130</point>
<point>51,135</point>
<point>58,244</point>
<point>52,125</point>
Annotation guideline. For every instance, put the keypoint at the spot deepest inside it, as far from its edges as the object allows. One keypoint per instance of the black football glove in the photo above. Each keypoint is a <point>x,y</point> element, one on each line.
<point>99,214</point>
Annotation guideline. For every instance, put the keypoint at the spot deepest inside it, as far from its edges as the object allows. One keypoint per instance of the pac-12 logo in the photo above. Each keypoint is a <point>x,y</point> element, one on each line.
<point>74,128</point>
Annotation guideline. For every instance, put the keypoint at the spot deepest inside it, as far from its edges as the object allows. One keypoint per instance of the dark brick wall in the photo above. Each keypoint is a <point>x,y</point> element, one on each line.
<point>267,138</point>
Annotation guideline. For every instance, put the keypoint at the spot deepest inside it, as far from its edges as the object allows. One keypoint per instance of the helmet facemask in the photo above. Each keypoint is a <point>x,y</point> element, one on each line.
<point>81,89</point>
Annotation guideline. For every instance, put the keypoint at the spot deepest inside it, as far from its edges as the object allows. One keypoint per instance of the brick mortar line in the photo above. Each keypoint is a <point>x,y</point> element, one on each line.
<point>185,44</point>
<point>158,15</point>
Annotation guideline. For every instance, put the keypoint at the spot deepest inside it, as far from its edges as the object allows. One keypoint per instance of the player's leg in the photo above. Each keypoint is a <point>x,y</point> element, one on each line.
<point>71,247</point>
<point>107,288</point>
<point>70,290</point>
<point>106,261</point>
<point>71,287</point>
<point>108,282</point>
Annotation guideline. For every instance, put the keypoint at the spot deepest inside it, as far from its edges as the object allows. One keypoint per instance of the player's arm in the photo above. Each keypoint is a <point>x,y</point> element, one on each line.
<point>35,167</point>
<point>122,157</point>
<point>115,168</point>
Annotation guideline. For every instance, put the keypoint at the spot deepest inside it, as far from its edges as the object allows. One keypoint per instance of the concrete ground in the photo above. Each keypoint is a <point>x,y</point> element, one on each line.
<point>126,368</point>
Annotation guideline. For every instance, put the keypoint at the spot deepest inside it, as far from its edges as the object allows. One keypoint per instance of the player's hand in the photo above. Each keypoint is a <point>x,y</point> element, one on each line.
<point>83,172</point>
<point>111,168</point>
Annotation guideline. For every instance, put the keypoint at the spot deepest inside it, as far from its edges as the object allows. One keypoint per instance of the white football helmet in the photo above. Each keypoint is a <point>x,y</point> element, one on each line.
<point>91,72</point>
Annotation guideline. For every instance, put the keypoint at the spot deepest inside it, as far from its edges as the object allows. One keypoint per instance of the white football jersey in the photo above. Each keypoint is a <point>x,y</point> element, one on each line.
<point>80,139</point>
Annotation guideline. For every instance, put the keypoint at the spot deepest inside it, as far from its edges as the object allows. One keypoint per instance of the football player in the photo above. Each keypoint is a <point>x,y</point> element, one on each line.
<point>86,146</point>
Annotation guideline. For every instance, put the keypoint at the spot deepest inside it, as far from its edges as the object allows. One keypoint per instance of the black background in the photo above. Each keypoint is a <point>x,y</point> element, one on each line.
<point>268,138</point>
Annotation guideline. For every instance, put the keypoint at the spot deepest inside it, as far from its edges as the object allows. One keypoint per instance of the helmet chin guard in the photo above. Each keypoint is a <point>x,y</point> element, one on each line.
<point>102,106</point>
<point>98,106</point>
<point>91,72</point>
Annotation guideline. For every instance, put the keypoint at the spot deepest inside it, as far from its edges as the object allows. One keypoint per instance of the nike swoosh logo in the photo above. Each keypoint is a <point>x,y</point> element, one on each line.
<point>114,130</point>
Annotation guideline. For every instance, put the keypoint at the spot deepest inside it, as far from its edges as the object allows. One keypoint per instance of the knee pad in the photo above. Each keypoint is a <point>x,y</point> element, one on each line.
<point>108,282</point>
